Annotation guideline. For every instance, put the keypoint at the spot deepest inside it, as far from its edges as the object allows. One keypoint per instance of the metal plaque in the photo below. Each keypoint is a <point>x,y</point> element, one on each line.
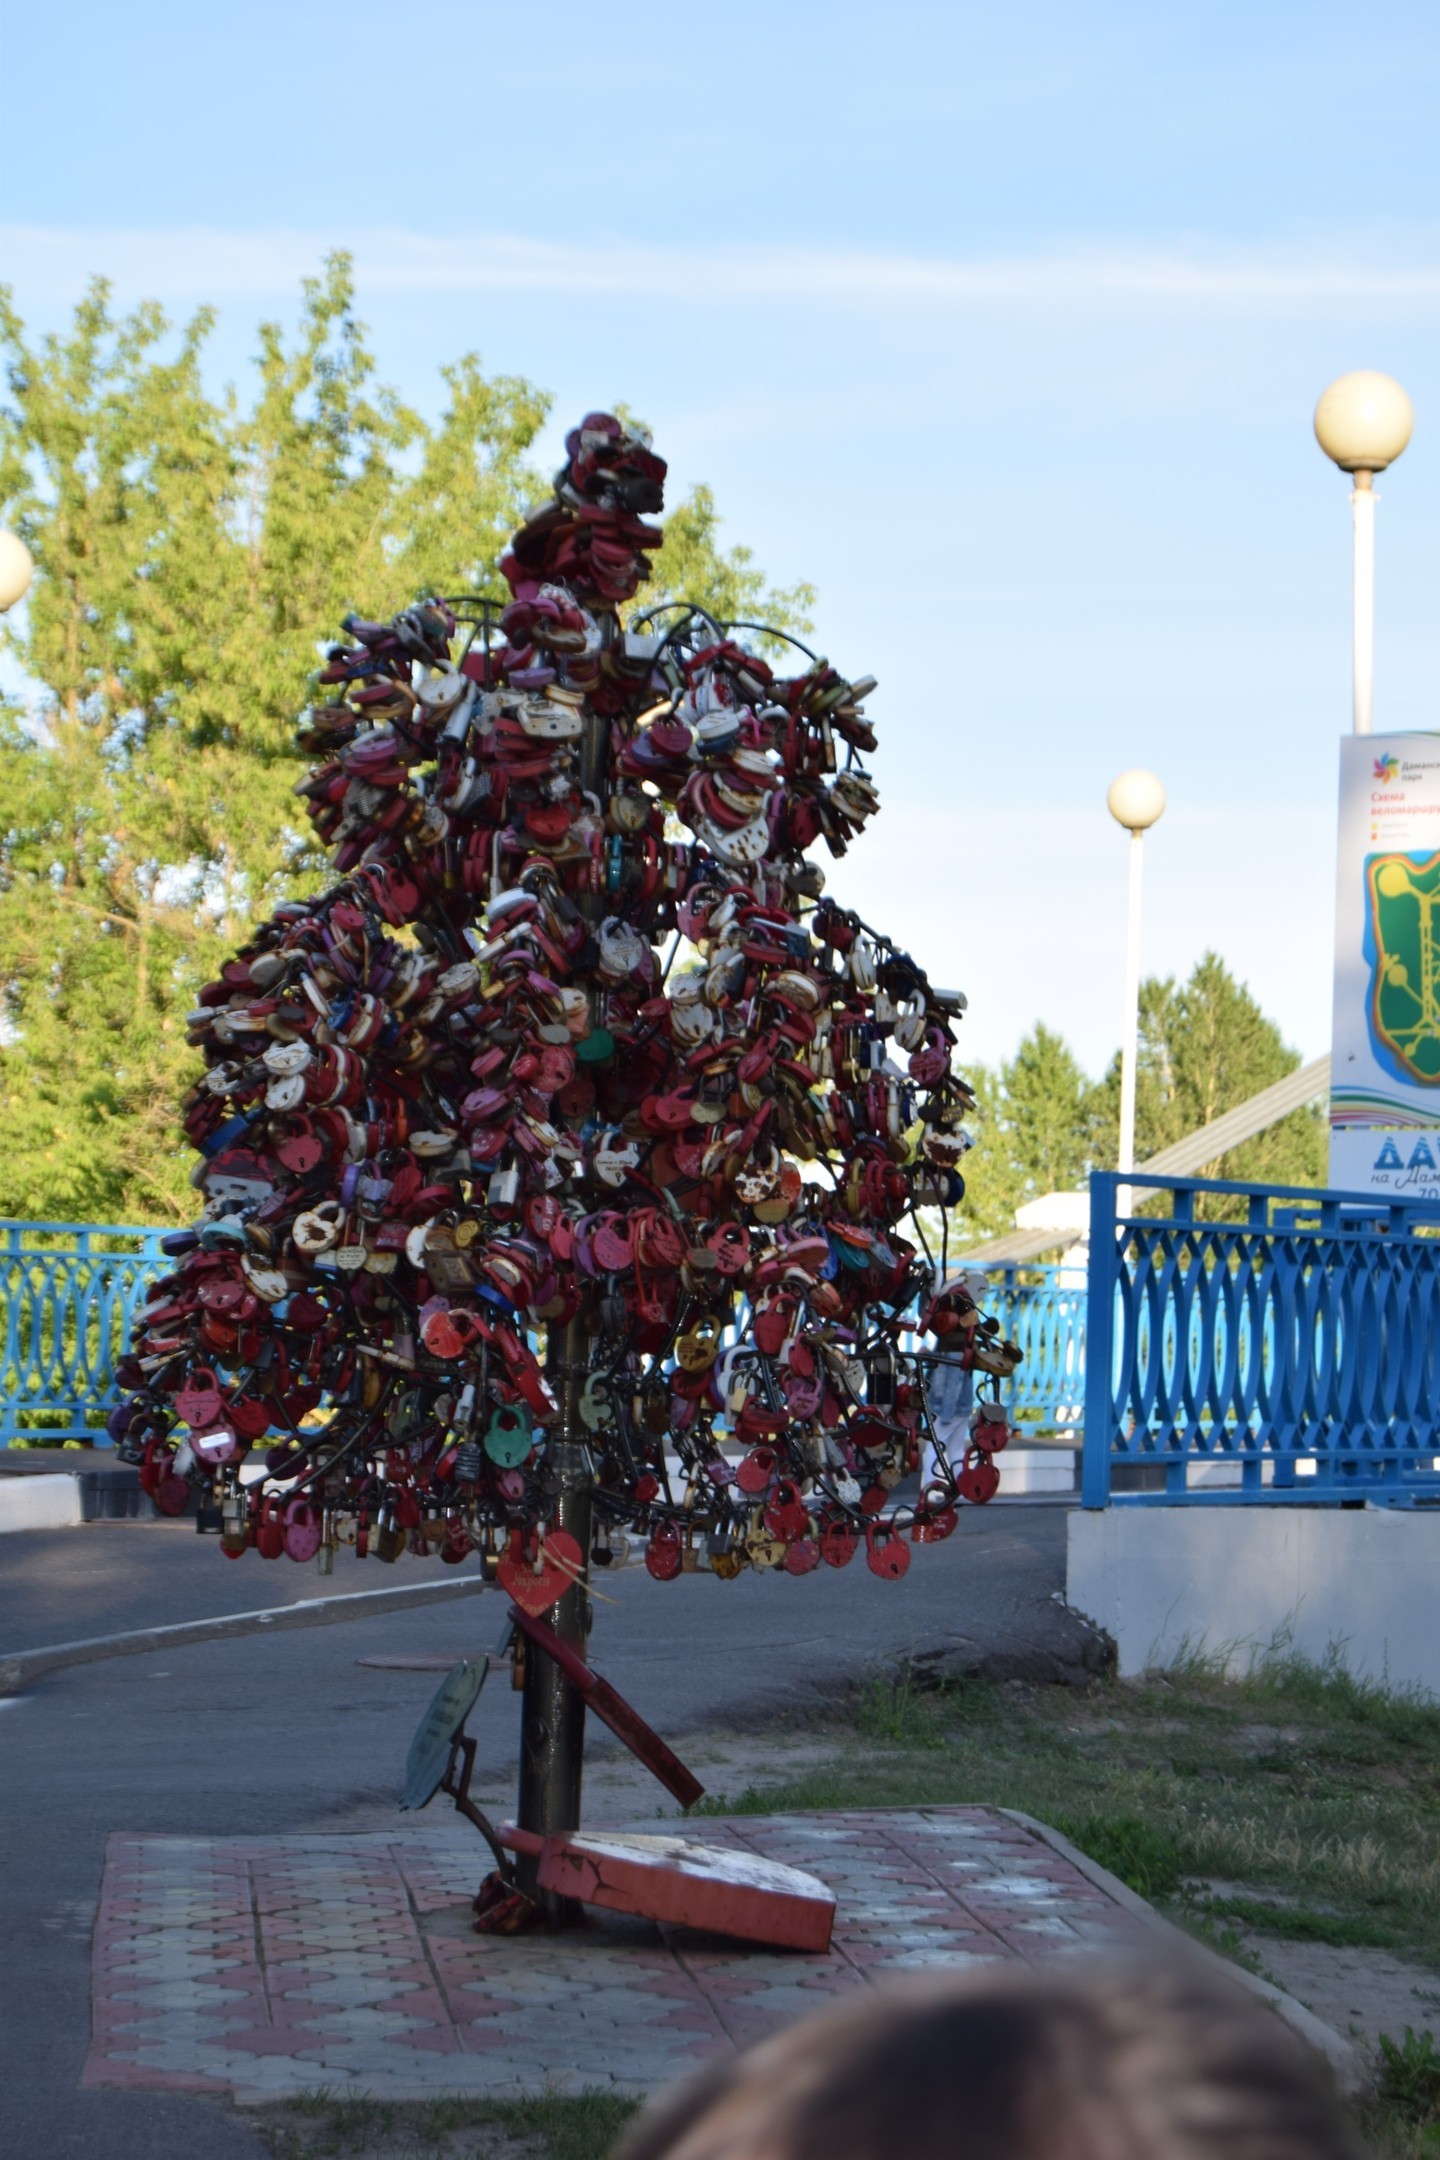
<point>439,1729</point>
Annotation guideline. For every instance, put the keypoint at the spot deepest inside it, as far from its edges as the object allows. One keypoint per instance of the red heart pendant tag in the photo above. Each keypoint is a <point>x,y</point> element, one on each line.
<point>535,1591</point>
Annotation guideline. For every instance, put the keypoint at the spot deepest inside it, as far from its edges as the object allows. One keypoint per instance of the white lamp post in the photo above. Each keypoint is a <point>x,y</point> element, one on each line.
<point>16,570</point>
<point>1136,800</point>
<point>1363,422</point>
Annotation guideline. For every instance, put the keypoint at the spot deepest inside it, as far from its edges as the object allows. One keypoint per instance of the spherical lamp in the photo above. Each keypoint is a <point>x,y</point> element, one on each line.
<point>16,570</point>
<point>1136,799</point>
<point>1363,421</point>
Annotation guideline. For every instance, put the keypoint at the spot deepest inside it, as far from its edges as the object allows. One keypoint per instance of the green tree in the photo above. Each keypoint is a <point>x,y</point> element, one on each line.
<point>194,554</point>
<point>1036,1131</point>
<point>1205,1047</point>
<point>728,583</point>
<point>692,565</point>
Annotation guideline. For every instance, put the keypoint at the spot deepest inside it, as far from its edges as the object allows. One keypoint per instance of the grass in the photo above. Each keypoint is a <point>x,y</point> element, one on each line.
<point>550,2126</point>
<point>1296,1780</point>
<point>1401,2118</point>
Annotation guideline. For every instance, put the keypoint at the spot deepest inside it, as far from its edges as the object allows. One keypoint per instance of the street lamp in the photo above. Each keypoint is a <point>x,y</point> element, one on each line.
<point>1136,800</point>
<point>1363,422</point>
<point>16,570</point>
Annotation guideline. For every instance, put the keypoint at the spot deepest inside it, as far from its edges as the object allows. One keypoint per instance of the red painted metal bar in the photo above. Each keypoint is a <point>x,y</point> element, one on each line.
<point>613,1710</point>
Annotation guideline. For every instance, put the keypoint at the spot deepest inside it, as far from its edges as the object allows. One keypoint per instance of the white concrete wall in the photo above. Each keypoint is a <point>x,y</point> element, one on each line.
<point>40,1503</point>
<point>1231,1580</point>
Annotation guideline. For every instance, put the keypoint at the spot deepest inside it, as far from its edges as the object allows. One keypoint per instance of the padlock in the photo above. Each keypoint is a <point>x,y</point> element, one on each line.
<point>978,1480</point>
<point>507,1436</point>
<point>763,1549</point>
<point>699,1347</point>
<point>303,1529</point>
<point>885,1554</point>
<point>665,1554</point>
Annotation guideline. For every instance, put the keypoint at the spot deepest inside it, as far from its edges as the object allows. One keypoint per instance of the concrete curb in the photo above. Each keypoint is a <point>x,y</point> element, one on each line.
<point>54,1501</point>
<point>1344,2058</point>
<point>18,1668</point>
<point>60,1488</point>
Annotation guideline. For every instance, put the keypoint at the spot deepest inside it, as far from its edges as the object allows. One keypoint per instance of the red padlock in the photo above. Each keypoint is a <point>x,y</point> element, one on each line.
<point>270,1528</point>
<point>303,1529</point>
<point>665,1553</point>
<point>839,1542</point>
<point>885,1554</point>
<point>979,1480</point>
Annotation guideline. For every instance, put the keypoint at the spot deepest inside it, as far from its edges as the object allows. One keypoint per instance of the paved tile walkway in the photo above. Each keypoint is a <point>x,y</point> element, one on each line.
<point>267,1967</point>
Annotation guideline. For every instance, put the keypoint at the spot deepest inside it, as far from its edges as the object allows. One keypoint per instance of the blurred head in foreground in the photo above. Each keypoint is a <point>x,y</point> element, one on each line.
<point>1080,2063</point>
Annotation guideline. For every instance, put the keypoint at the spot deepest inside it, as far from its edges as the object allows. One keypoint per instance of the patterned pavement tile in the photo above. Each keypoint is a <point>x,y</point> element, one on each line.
<point>263,1968</point>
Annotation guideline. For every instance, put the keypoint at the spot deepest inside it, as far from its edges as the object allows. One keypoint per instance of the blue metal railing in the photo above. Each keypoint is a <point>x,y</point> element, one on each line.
<point>1293,1347</point>
<point>1045,1315</point>
<point>1297,1341</point>
<point>67,1293</point>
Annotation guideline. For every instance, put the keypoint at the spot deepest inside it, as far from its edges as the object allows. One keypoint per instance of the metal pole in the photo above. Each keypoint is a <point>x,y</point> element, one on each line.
<point>552,1709</point>
<point>1129,1041</point>
<point>1362,505</point>
<point>552,1715</point>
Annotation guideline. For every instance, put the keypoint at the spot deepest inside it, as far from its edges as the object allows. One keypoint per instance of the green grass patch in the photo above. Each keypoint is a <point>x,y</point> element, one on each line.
<point>1401,2117</point>
<point>325,2125</point>
<point>1295,1779</point>
<point>1410,2077</point>
<point>1141,1853</point>
<point>1308,1923</point>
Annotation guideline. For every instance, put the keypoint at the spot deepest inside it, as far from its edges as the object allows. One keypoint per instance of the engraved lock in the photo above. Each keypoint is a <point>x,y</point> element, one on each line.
<point>503,1190</point>
<point>699,1347</point>
<point>762,1547</point>
<point>628,811</point>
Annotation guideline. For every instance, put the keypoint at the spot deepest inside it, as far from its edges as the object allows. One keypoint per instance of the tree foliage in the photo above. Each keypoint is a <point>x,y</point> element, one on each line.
<point>194,553</point>
<point>1204,1047</point>
<point>1036,1130</point>
<point>693,566</point>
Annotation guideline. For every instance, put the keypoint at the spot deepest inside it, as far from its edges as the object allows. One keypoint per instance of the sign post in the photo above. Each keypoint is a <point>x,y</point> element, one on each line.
<point>1385,1077</point>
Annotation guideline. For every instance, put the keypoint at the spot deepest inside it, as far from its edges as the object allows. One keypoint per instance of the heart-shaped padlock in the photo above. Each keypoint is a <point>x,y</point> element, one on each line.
<point>885,1554</point>
<point>536,1579</point>
<point>304,1526</point>
<point>199,1402</point>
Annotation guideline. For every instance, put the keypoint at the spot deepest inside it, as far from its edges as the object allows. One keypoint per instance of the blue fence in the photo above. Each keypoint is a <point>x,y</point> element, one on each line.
<point>67,1292</point>
<point>1295,1342</point>
<point>1288,1351</point>
<point>1045,1314</point>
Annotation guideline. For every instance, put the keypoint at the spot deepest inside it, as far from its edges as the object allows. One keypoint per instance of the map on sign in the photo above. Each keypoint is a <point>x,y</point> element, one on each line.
<point>1403,900</point>
<point>438,1731</point>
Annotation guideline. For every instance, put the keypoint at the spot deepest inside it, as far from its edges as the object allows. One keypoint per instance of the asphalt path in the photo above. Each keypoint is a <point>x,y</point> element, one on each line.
<point>287,1733</point>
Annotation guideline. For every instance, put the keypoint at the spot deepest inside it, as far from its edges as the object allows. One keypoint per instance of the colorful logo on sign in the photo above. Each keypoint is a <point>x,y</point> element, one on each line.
<point>1387,768</point>
<point>1402,947</point>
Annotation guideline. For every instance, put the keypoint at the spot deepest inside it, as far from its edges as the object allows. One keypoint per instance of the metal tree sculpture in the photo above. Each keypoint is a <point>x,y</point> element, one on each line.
<point>459,1102</point>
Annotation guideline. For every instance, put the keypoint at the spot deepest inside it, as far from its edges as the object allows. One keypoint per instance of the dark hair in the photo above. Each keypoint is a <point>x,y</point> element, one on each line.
<point>1079,2063</point>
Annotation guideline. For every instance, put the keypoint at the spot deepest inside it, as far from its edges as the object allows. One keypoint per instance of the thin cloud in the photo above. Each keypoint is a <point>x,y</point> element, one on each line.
<point>189,262</point>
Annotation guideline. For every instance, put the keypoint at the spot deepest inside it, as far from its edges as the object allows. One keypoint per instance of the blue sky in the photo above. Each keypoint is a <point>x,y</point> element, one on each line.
<point>1003,326</point>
